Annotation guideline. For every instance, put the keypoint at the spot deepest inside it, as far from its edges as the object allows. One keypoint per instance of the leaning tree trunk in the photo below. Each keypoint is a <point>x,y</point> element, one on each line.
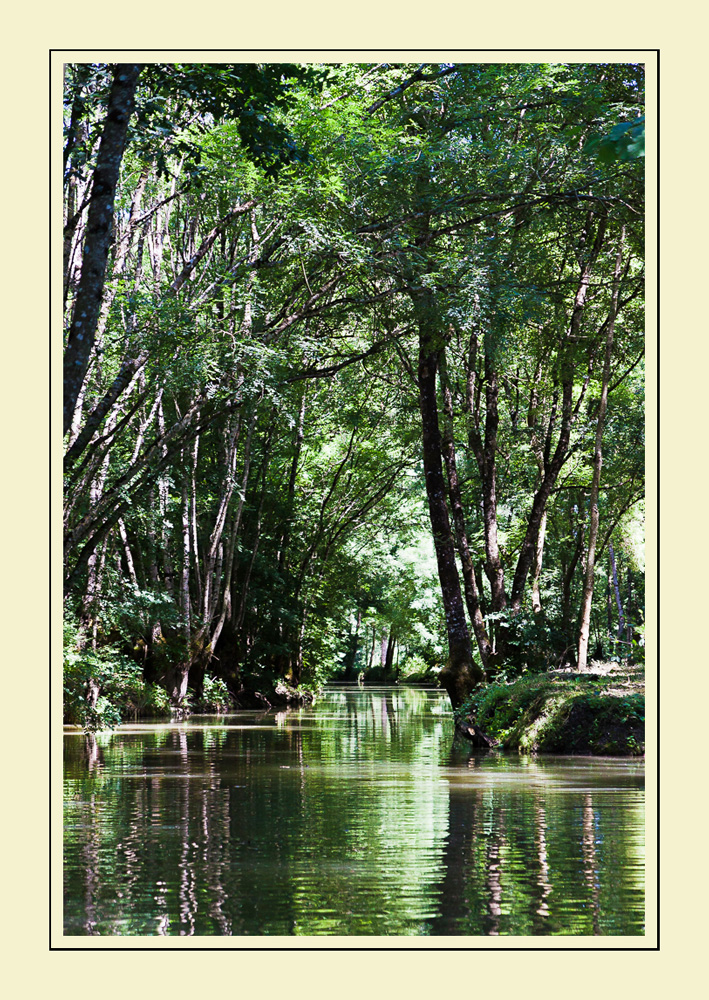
<point>470,589</point>
<point>98,237</point>
<point>461,674</point>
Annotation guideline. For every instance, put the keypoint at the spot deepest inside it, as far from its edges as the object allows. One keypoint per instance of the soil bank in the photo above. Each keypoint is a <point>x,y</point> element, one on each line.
<point>601,712</point>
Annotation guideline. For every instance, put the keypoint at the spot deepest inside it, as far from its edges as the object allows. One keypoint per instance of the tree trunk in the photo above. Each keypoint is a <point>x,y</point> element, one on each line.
<point>297,447</point>
<point>480,583</point>
<point>537,569</point>
<point>587,599</point>
<point>389,659</point>
<point>469,585</point>
<point>194,540</point>
<point>553,468</point>
<point>541,450</point>
<point>486,456</point>
<point>461,674</point>
<point>568,579</point>
<point>130,565</point>
<point>239,620</point>
<point>351,657</point>
<point>616,588</point>
<point>488,471</point>
<point>229,567</point>
<point>210,594</point>
<point>87,305</point>
<point>628,617</point>
<point>186,558</point>
<point>125,376</point>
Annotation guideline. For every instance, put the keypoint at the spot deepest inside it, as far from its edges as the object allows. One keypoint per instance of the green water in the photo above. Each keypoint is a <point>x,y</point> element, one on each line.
<point>358,816</point>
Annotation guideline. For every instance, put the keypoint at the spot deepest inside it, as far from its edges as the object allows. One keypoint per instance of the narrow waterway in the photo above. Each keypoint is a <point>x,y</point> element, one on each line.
<point>358,816</point>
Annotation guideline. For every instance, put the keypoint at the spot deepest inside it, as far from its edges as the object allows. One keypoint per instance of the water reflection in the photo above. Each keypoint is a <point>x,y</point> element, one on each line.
<point>358,816</point>
<point>540,844</point>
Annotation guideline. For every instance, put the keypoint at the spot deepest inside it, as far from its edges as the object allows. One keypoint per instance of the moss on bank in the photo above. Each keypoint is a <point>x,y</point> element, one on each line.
<point>572,714</point>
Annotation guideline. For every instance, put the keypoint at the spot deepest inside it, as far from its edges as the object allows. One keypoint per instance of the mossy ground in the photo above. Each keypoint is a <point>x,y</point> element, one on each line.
<point>600,713</point>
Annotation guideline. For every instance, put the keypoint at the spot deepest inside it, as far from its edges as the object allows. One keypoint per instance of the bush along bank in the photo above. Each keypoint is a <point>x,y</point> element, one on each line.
<point>105,687</point>
<point>594,714</point>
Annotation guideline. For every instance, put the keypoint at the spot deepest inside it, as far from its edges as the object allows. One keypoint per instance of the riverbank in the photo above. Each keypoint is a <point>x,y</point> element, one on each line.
<point>599,713</point>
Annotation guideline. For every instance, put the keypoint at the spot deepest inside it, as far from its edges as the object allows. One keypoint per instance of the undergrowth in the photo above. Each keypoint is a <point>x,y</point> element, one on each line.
<point>551,715</point>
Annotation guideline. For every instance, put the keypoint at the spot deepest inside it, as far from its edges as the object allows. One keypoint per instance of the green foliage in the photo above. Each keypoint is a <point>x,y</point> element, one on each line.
<point>602,723</point>
<point>534,641</point>
<point>625,141</point>
<point>378,197</point>
<point>123,693</point>
<point>498,708</point>
<point>248,94</point>
<point>416,669</point>
<point>215,695</point>
<point>137,610</point>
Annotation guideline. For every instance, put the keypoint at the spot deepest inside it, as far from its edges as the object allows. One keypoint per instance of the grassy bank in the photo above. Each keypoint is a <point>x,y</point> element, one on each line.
<point>599,713</point>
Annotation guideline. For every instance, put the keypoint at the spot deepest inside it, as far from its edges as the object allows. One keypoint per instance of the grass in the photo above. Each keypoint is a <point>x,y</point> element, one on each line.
<point>600,713</point>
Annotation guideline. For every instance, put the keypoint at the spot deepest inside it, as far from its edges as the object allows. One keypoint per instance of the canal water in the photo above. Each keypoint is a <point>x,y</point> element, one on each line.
<point>361,815</point>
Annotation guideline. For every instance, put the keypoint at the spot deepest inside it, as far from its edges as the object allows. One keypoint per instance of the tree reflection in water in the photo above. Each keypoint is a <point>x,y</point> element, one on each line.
<point>589,859</point>
<point>359,817</point>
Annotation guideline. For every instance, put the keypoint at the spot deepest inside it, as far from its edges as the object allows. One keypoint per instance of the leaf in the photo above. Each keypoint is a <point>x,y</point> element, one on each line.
<point>624,142</point>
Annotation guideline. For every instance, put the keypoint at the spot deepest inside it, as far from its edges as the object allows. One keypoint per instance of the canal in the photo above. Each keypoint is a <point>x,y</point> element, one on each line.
<point>360,815</point>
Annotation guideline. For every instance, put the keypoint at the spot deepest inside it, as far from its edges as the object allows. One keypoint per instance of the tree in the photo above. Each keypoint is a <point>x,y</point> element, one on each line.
<point>82,331</point>
<point>597,465</point>
<point>334,299</point>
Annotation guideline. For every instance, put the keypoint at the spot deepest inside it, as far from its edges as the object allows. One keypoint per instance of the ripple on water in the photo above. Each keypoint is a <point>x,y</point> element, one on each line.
<point>357,816</point>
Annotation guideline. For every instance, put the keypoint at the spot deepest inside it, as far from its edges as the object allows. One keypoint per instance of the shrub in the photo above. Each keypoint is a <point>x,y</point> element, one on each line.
<point>415,668</point>
<point>122,691</point>
<point>215,695</point>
